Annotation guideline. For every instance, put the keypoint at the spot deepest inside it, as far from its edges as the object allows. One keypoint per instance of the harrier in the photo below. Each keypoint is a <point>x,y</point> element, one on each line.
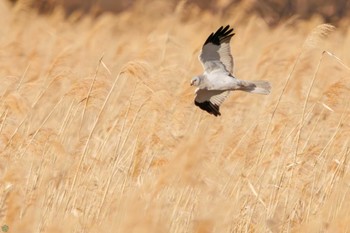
<point>217,81</point>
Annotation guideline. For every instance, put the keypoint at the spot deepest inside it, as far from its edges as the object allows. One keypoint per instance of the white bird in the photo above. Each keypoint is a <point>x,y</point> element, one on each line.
<point>217,80</point>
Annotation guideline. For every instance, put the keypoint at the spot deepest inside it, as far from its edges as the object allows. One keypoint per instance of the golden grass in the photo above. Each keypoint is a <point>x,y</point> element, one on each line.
<point>99,132</point>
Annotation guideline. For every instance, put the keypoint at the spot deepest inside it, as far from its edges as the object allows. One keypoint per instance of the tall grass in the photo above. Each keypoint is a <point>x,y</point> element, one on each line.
<point>99,132</point>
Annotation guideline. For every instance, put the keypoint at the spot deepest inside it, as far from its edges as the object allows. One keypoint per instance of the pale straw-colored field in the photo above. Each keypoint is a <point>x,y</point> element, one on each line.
<point>99,132</point>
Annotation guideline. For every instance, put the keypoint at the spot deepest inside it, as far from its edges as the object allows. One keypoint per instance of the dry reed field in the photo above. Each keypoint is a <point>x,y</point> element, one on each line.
<point>99,132</point>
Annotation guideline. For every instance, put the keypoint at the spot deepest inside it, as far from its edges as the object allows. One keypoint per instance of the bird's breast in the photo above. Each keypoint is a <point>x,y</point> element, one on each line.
<point>222,82</point>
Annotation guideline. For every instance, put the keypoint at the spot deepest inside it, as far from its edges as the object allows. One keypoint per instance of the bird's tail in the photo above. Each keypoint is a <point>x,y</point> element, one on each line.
<point>258,87</point>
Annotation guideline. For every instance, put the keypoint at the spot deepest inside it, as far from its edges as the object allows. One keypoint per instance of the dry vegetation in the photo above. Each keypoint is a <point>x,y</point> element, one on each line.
<point>99,132</point>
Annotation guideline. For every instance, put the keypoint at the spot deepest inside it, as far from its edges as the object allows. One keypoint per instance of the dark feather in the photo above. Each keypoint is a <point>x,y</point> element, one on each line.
<point>209,107</point>
<point>223,34</point>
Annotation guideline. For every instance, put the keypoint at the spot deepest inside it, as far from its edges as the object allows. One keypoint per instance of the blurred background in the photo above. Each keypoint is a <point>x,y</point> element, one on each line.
<point>272,11</point>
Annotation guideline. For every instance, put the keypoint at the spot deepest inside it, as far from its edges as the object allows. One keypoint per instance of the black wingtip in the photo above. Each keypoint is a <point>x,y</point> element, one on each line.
<point>222,34</point>
<point>209,107</point>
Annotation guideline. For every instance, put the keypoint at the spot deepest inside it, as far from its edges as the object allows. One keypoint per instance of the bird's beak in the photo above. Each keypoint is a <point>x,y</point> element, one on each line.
<point>191,83</point>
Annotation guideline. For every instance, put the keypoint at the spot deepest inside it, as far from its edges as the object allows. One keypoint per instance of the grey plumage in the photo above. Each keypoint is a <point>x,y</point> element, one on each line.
<point>217,80</point>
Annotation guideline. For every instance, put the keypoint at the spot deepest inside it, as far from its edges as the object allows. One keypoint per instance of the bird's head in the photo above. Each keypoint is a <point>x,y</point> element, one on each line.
<point>196,81</point>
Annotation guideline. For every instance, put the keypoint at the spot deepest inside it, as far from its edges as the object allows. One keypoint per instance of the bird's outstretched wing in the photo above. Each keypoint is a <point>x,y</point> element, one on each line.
<point>216,52</point>
<point>210,100</point>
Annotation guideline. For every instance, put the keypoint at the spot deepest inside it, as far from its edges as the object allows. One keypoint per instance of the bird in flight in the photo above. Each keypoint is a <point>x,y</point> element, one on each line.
<point>215,84</point>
